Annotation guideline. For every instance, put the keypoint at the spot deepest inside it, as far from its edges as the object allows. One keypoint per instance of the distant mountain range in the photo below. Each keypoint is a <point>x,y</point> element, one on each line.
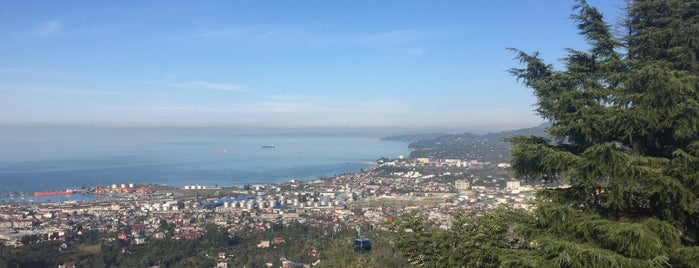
<point>489,147</point>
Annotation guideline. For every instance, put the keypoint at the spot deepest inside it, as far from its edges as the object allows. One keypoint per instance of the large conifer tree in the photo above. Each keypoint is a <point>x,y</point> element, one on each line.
<point>624,136</point>
<point>625,131</point>
<point>625,117</point>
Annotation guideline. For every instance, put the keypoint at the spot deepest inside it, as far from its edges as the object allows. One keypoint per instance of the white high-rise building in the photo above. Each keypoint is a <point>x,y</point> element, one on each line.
<point>462,185</point>
<point>513,184</point>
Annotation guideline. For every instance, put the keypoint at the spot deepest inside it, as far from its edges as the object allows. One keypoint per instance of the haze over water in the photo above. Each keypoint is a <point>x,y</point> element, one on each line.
<point>56,158</point>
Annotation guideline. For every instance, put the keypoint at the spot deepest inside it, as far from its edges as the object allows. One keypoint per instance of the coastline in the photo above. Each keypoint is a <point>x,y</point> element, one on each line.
<point>180,158</point>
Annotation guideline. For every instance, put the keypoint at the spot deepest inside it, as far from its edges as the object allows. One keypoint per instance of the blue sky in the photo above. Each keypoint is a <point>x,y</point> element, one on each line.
<point>415,64</point>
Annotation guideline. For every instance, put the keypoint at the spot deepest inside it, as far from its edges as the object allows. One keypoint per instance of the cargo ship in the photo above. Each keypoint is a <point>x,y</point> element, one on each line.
<point>54,193</point>
<point>268,146</point>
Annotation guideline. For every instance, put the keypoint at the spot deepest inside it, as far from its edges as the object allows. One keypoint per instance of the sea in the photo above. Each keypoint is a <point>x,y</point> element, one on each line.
<point>58,158</point>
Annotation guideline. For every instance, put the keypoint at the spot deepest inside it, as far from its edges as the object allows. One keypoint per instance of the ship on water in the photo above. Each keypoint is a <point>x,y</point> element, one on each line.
<point>55,193</point>
<point>270,146</point>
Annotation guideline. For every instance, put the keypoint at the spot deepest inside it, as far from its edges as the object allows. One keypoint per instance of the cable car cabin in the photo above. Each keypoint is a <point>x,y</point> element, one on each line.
<point>362,246</point>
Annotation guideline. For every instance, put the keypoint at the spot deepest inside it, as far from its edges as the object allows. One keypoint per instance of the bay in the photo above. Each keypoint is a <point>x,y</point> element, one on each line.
<point>56,158</point>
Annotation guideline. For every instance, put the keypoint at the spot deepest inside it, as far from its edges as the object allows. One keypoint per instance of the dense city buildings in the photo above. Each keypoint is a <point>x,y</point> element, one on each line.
<point>437,188</point>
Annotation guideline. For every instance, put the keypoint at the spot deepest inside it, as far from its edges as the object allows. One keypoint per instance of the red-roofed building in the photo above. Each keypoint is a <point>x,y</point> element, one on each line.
<point>187,236</point>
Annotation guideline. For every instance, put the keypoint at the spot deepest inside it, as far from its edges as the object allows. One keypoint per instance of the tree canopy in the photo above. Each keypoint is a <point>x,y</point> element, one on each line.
<point>625,139</point>
<point>625,116</point>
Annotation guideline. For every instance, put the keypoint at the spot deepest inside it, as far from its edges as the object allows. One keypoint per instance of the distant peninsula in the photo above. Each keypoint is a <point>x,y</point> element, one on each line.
<point>489,147</point>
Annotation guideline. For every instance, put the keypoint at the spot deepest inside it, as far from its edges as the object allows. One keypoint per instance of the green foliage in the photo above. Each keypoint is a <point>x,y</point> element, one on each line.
<point>554,236</point>
<point>624,134</point>
<point>38,254</point>
<point>624,125</point>
<point>217,236</point>
<point>339,253</point>
<point>688,256</point>
<point>473,241</point>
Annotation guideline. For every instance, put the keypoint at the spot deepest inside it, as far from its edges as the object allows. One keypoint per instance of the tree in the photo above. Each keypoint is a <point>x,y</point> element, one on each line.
<point>624,135</point>
<point>625,131</point>
<point>216,236</point>
<point>167,228</point>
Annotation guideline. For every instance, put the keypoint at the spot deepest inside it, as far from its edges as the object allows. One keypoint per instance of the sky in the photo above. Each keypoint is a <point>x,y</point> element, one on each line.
<point>316,63</point>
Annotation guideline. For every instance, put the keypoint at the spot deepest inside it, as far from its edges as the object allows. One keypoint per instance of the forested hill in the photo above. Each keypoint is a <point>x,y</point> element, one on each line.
<point>411,138</point>
<point>489,147</point>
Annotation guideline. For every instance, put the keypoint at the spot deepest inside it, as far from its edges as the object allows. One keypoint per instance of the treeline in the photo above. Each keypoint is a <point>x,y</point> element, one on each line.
<point>490,147</point>
<point>302,243</point>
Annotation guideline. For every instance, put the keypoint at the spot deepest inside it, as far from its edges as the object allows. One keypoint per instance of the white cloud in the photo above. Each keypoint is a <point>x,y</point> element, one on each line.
<point>244,32</point>
<point>287,107</point>
<point>172,110</point>
<point>315,111</point>
<point>32,90</point>
<point>410,51</point>
<point>50,28</point>
<point>16,71</point>
<point>383,105</point>
<point>272,36</point>
<point>207,86</point>
<point>392,41</point>
<point>287,104</point>
<point>296,98</point>
<point>397,37</point>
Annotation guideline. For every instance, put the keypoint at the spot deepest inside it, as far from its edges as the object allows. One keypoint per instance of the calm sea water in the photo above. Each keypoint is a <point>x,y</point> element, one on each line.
<point>53,158</point>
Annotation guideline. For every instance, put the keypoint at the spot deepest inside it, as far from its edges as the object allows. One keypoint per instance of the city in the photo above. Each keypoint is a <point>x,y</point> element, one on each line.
<point>434,188</point>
